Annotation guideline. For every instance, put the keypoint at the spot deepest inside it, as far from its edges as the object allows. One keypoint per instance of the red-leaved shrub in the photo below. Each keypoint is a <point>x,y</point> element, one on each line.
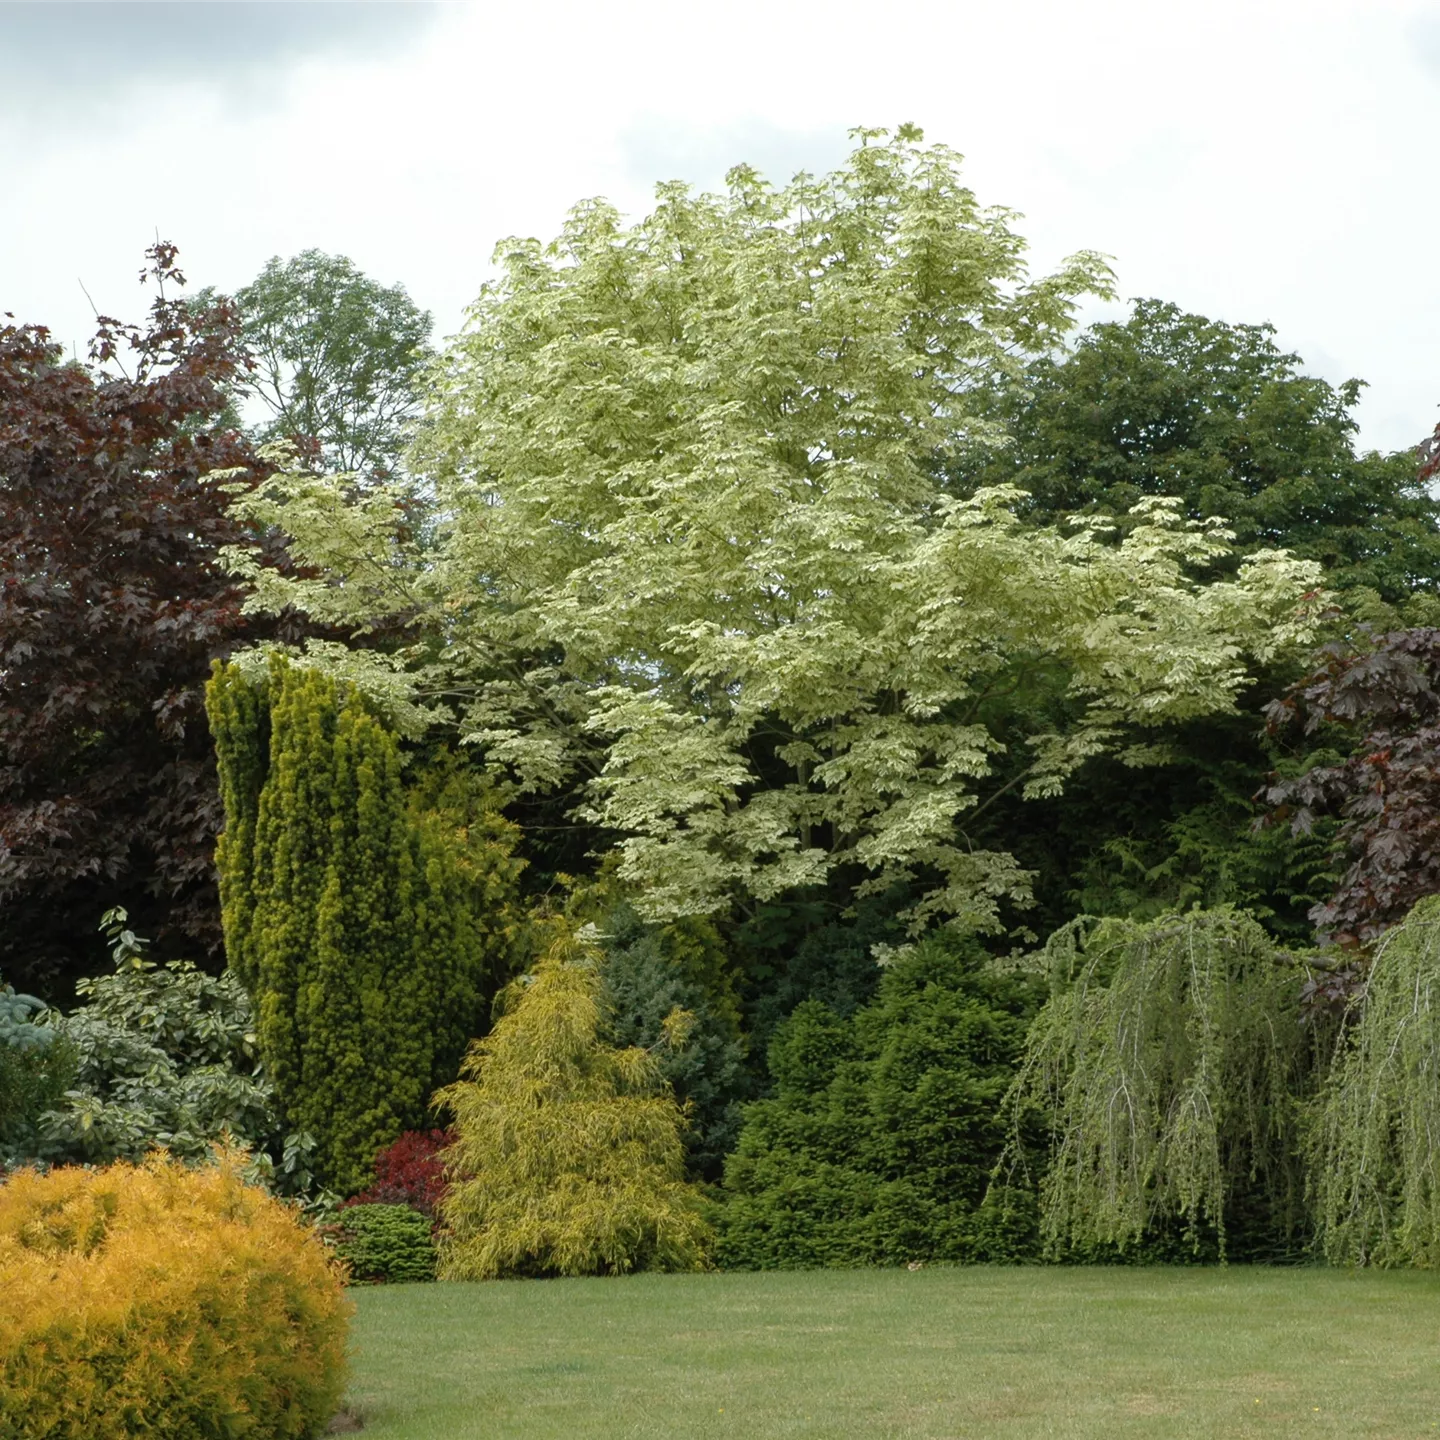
<point>410,1172</point>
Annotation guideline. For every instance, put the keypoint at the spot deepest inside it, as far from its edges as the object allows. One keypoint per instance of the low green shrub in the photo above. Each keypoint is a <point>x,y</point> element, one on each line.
<point>36,1066</point>
<point>161,1051</point>
<point>385,1243</point>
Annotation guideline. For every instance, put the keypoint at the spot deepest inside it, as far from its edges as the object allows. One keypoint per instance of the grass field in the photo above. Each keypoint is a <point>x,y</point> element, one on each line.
<point>937,1352</point>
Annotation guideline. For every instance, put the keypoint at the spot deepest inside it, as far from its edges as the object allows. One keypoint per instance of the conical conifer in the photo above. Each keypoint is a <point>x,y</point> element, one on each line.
<point>569,1157</point>
<point>349,913</point>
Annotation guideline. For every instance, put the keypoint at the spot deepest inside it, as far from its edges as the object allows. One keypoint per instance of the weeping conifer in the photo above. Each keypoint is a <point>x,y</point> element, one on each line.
<point>1169,1068</point>
<point>1375,1150</point>
<point>569,1157</point>
<point>349,916</point>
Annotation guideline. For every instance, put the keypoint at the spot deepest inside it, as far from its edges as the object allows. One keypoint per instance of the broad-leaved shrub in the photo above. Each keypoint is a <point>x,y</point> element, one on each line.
<point>410,1172</point>
<point>36,1065</point>
<point>163,1055</point>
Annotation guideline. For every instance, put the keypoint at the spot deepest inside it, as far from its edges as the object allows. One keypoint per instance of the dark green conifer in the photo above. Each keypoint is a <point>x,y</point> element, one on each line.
<point>878,1143</point>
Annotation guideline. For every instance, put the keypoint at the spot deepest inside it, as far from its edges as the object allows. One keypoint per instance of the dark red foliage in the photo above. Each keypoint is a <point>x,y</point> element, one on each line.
<point>410,1172</point>
<point>1429,452</point>
<point>112,604</point>
<point>1386,792</point>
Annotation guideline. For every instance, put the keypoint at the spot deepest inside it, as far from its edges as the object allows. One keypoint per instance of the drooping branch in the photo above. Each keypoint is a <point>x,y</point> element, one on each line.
<point>1165,1068</point>
<point>1376,1149</point>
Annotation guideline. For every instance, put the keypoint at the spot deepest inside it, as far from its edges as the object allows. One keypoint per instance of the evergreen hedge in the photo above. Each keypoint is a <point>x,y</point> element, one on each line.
<point>878,1144</point>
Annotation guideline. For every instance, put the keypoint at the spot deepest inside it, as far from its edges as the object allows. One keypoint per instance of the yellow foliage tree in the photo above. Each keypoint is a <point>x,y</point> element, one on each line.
<point>569,1158</point>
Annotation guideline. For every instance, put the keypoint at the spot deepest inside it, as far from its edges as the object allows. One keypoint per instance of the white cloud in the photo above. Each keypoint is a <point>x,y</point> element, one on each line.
<point>1265,160</point>
<point>94,57</point>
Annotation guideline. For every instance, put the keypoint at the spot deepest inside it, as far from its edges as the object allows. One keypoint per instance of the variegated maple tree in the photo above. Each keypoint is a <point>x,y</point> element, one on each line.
<point>694,557</point>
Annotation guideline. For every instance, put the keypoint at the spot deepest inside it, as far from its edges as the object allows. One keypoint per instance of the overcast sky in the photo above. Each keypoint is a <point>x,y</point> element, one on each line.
<point>1249,159</point>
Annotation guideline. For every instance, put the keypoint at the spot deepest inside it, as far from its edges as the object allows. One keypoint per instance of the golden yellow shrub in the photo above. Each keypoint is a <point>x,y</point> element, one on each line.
<point>163,1301</point>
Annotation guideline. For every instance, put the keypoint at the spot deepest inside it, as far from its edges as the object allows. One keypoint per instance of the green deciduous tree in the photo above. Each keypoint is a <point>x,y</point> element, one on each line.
<point>1170,1066</point>
<point>568,1158</point>
<point>1222,419</point>
<point>1376,1146</point>
<point>336,358</point>
<point>353,920</point>
<point>696,556</point>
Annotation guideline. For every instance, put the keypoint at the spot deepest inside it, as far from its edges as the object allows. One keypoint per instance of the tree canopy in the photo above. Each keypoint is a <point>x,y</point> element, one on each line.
<point>1167,1065</point>
<point>336,358</point>
<point>1219,417</point>
<point>112,604</point>
<point>1374,703</point>
<point>695,554</point>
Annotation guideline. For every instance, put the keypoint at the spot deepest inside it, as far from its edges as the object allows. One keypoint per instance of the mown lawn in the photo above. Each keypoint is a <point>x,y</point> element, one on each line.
<point>937,1352</point>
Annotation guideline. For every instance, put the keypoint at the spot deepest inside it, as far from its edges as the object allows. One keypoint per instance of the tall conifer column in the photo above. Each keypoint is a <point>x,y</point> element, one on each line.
<point>349,915</point>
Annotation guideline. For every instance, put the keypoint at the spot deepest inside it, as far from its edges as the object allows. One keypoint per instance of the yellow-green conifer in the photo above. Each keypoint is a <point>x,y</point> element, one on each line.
<point>569,1158</point>
<point>240,724</point>
<point>350,913</point>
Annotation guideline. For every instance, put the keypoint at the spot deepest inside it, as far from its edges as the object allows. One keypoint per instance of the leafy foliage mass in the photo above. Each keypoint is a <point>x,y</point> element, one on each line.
<point>1217,416</point>
<point>648,973</point>
<point>1376,1146</point>
<point>878,1144</point>
<point>112,605</point>
<point>356,924</point>
<point>335,359</point>
<point>36,1067</point>
<point>410,1172</point>
<point>697,560</point>
<point>813,945</point>
<point>1380,700</point>
<point>1168,1067</point>
<point>179,1299</point>
<point>569,1158</point>
<point>1142,842</point>
<point>166,1056</point>
<point>386,1243</point>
